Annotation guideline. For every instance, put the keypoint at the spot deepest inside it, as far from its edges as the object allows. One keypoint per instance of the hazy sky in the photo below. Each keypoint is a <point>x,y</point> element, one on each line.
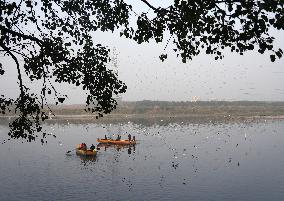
<point>249,77</point>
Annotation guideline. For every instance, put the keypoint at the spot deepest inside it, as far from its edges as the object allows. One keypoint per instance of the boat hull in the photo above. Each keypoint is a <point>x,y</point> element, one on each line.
<point>86,152</point>
<point>118,142</point>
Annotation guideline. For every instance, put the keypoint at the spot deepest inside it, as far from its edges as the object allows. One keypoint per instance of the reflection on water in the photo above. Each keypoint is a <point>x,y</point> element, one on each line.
<point>105,147</point>
<point>182,161</point>
<point>88,161</point>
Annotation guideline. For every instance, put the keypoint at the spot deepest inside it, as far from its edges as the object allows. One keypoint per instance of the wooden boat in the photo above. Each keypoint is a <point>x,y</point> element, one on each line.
<point>88,152</point>
<point>117,146</point>
<point>118,142</point>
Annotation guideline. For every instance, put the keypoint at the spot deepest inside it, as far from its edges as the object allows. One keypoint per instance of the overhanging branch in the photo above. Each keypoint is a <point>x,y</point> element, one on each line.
<point>19,74</point>
<point>28,37</point>
<point>149,5</point>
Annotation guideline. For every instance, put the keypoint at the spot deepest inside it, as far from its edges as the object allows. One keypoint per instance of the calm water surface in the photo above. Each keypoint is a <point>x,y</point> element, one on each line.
<point>176,161</point>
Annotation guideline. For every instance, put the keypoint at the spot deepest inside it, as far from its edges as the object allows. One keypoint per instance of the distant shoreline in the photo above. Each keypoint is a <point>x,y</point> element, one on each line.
<point>153,118</point>
<point>172,111</point>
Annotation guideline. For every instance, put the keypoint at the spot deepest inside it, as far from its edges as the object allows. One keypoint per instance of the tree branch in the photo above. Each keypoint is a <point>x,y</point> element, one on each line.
<point>19,74</point>
<point>149,5</point>
<point>40,42</point>
<point>17,10</point>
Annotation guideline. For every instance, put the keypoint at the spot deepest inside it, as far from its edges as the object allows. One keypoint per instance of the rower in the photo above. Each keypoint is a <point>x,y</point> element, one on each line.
<point>118,138</point>
<point>83,146</point>
<point>92,147</point>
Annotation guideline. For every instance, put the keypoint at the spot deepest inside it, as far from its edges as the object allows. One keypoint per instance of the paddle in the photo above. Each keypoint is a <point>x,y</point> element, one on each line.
<point>70,151</point>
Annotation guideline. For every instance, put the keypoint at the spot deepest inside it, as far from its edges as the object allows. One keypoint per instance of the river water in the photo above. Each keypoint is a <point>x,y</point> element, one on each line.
<point>173,161</point>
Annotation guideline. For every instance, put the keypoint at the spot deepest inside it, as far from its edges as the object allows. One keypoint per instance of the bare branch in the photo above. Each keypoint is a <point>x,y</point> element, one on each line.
<point>150,6</point>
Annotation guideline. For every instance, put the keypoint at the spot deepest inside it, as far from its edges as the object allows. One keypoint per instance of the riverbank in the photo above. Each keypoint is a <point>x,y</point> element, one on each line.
<point>163,111</point>
<point>148,120</point>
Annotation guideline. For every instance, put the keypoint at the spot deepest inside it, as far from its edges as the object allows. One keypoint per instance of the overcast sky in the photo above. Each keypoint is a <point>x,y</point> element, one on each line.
<point>249,77</point>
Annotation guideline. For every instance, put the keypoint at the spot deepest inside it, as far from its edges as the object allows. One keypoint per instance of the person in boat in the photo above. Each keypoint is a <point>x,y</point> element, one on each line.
<point>83,146</point>
<point>118,138</point>
<point>92,147</point>
<point>105,137</point>
<point>133,138</point>
<point>129,137</point>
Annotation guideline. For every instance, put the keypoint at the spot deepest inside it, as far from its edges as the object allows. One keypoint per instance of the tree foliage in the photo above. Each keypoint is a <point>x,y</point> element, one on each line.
<point>54,38</point>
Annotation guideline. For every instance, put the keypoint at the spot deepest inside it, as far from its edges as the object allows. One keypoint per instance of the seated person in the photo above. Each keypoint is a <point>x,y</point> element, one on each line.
<point>118,138</point>
<point>92,147</point>
<point>83,146</point>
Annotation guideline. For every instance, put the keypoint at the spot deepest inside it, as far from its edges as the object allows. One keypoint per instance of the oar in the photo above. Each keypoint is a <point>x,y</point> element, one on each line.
<point>70,151</point>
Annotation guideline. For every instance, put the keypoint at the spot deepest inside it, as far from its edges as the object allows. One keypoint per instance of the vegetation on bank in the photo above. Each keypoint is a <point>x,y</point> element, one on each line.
<point>165,112</point>
<point>166,108</point>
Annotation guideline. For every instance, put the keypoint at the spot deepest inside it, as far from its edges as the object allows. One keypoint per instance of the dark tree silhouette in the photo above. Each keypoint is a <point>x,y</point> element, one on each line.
<point>53,37</point>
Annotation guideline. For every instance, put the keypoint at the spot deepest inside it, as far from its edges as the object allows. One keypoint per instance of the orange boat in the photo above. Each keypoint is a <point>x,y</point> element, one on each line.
<point>118,142</point>
<point>88,152</point>
<point>81,149</point>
